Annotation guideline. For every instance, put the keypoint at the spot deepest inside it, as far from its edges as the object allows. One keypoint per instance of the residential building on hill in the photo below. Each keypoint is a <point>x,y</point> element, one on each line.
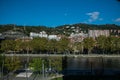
<point>41,34</point>
<point>13,35</point>
<point>45,35</point>
<point>78,37</point>
<point>54,37</point>
<point>97,33</point>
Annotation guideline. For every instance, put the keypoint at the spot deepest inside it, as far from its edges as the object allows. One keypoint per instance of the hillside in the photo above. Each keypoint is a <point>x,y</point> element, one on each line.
<point>63,29</point>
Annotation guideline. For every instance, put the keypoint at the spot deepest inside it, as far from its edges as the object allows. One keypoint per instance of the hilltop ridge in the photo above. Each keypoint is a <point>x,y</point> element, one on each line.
<point>63,29</point>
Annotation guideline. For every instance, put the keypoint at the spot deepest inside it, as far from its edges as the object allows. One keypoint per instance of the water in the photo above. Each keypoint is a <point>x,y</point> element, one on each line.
<point>80,68</point>
<point>86,68</point>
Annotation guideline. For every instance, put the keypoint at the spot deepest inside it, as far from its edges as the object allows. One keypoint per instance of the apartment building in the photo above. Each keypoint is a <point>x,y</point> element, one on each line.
<point>97,33</point>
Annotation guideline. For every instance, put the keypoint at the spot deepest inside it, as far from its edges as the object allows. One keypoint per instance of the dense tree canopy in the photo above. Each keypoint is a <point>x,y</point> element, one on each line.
<point>43,45</point>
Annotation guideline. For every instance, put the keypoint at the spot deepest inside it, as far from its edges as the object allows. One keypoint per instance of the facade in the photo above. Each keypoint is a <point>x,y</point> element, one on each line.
<point>54,37</point>
<point>45,35</point>
<point>13,35</point>
<point>77,37</point>
<point>41,34</point>
<point>115,32</point>
<point>97,33</point>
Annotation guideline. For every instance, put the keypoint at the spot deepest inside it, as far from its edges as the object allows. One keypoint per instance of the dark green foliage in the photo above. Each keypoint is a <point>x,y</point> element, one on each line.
<point>12,63</point>
<point>101,44</point>
<point>36,64</point>
<point>4,28</point>
<point>56,62</point>
<point>1,59</point>
<point>89,44</point>
<point>49,63</point>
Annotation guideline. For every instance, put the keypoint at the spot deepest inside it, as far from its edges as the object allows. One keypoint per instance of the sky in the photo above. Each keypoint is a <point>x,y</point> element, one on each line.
<point>53,13</point>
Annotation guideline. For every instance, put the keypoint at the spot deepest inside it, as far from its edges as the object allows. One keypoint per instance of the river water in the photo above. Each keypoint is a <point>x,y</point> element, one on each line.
<point>94,68</point>
<point>89,68</point>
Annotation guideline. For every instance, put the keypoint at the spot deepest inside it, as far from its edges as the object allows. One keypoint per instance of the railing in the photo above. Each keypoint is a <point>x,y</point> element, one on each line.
<point>61,55</point>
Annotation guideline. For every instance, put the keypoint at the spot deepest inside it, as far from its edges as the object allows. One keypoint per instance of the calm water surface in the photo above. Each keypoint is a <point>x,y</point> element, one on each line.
<point>79,68</point>
<point>92,68</point>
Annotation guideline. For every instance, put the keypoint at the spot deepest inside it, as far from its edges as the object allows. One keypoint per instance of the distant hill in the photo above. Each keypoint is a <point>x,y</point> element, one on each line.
<point>63,29</point>
<point>68,29</point>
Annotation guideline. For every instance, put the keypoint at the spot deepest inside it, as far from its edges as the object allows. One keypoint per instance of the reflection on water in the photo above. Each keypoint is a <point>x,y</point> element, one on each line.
<point>84,68</point>
<point>95,68</point>
<point>87,63</point>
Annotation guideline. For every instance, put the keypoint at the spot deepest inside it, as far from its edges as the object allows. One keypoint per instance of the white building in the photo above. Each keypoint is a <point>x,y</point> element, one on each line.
<point>41,34</point>
<point>32,34</point>
<point>54,37</point>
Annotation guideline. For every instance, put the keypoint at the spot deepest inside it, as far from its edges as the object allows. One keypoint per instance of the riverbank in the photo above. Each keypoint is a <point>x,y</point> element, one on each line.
<point>59,76</point>
<point>63,55</point>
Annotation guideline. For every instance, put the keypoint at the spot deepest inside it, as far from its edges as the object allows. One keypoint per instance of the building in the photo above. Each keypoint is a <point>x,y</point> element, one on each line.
<point>13,35</point>
<point>41,34</point>
<point>1,37</point>
<point>45,35</point>
<point>54,37</point>
<point>115,32</point>
<point>97,33</point>
<point>77,37</point>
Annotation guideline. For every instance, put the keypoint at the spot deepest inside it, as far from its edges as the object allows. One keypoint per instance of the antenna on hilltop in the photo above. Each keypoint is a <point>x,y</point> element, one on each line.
<point>24,28</point>
<point>14,28</point>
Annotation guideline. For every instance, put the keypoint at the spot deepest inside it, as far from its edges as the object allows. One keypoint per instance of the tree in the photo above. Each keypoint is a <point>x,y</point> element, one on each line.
<point>36,64</point>
<point>18,45</point>
<point>39,44</point>
<point>27,46</point>
<point>79,46</point>
<point>101,43</point>
<point>118,45</point>
<point>8,45</point>
<point>56,63</point>
<point>51,45</point>
<point>1,61</point>
<point>35,44</point>
<point>12,63</point>
<point>89,44</point>
<point>43,44</point>
<point>111,43</point>
<point>63,45</point>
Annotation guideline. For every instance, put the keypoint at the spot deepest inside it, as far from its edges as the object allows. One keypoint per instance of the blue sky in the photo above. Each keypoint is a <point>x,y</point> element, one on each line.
<point>59,12</point>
